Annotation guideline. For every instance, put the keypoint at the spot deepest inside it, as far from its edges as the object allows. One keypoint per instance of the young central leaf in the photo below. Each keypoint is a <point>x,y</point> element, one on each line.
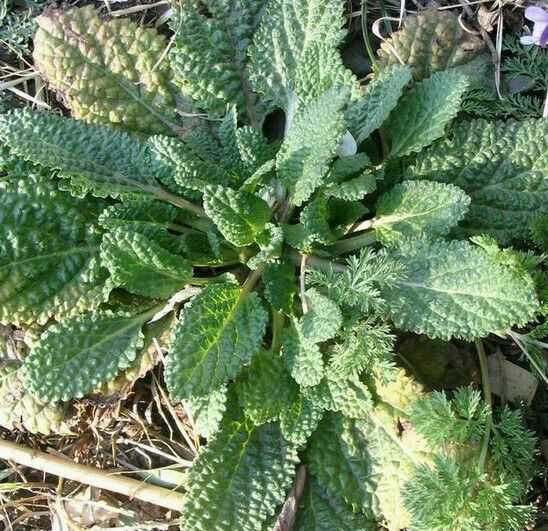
<point>110,73</point>
<point>76,356</point>
<point>240,216</point>
<point>219,332</point>
<point>453,289</point>
<point>311,143</point>
<point>240,478</point>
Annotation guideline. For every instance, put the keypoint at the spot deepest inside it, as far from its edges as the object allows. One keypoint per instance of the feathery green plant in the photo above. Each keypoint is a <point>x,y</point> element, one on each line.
<point>289,265</point>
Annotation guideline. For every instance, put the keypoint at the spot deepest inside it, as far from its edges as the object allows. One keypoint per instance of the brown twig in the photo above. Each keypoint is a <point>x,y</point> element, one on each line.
<point>286,519</point>
<point>87,475</point>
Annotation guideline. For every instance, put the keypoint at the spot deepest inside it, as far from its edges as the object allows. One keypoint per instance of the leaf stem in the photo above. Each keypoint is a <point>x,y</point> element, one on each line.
<point>365,33</point>
<point>355,242</point>
<point>315,262</point>
<point>180,202</point>
<point>486,385</point>
<point>278,321</point>
<point>302,282</point>
<point>252,280</point>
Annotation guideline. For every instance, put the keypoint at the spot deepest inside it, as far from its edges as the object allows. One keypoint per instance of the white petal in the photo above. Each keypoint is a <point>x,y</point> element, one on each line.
<point>527,40</point>
<point>348,146</point>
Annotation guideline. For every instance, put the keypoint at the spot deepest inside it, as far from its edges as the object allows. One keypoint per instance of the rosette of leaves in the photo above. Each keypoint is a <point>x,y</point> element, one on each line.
<point>287,266</point>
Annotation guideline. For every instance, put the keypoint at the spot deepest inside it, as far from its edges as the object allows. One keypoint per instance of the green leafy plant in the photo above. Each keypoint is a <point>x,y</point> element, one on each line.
<point>287,264</point>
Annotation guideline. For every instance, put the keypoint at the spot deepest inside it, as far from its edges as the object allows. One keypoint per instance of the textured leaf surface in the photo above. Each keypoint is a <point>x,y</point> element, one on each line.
<point>76,356</point>
<point>287,31</point>
<point>303,358</point>
<point>381,95</point>
<point>149,215</point>
<point>240,216</point>
<point>219,332</point>
<point>429,42</point>
<point>141,266</point>
<point>191,164</point>
<point>156,334</point>
<point>95,157</point>
<point>338,457</point>
<point>267,373</point>
<point>105,72</point>
<point>19,409</point>
<point>416,207</point>
<point>453,289</point>
<point>207,411</point>
<point>423,113</point>
<point>501,166</point>
<point>279,285</point>
<point>209,58</point>
<point>346,395</point>
<point>321,511</point>
<point>270,242</point>
<point>300,420</point>
<point>239,479</point>
<point>323,318</point>
<point>49,253</point>
<point>311,143</point>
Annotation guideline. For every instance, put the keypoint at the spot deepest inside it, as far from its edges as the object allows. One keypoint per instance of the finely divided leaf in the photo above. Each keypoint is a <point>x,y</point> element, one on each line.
<point>141,266</point>
<point>105,72</point>
<point>501,166</point>
<point>49,253</point>
<point>423,113</point>
<point>417,207</point>
<point>240,216</point>
<point>76,356</point>
<point>381,95</point>
<point>240,478</point>
<point>453,289</point>
<point>311,143</point>
<point>219,332</point>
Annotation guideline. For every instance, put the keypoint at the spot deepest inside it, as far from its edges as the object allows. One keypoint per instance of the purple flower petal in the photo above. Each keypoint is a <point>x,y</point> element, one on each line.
<point>538,30</point>
<point>543,40</point>
<point>536,14</point>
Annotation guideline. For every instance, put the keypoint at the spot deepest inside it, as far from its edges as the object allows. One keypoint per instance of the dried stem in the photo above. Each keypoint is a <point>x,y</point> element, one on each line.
<point>103,479</point>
